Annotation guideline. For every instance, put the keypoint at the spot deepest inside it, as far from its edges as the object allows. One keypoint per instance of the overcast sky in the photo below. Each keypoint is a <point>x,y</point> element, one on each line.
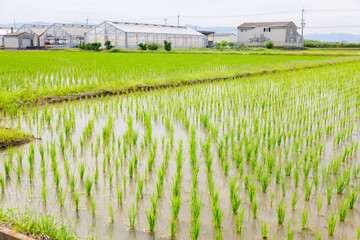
<point>322,16</point>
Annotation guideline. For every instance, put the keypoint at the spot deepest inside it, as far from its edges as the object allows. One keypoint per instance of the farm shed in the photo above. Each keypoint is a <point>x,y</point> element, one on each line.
<point>36,30</point>
<point>18,40</point>
<point>65,35</point>
<point>227,37</point>
<point>129,35</point>
<point>281,33</point>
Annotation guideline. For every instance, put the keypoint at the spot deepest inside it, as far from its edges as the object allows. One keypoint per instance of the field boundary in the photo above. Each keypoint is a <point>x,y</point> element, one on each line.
<point>141,87</point>
<point>9,234</point>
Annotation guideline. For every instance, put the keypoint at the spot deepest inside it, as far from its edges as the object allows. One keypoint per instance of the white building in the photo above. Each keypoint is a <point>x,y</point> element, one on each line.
<point>281,33</point>
<point>18,40</point>
<point>129,35</point>
<point>36,30</point>
<point>227,37</point>
<point>4,31</point>
<point>65,35</point>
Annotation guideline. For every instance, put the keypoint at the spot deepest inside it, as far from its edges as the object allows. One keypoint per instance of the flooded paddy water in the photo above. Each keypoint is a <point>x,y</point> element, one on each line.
<point>220,160</point>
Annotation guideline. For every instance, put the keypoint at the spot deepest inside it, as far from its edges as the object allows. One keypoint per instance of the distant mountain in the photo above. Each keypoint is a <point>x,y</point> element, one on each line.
<point>334,37</point>
<point>215,29</point>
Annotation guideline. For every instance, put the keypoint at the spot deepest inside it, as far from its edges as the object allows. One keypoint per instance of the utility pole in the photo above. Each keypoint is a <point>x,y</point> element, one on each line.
<point>87,21</point>
<point>165,20</point>
<point>178,17</point>
<point>14,24</point>
<point>302,23</point>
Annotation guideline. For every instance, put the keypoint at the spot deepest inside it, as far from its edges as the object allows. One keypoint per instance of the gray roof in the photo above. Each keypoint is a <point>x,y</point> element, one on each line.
<point>72,29</point>
<point>224,34</point>
<point>153,28</point>
<point>264,24</point>
<point>15,34</point>
<point>37,29</point>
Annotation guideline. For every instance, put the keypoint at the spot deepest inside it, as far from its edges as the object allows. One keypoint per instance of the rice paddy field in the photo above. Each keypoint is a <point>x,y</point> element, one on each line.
<point>28,76</point>
<point>271,156</point>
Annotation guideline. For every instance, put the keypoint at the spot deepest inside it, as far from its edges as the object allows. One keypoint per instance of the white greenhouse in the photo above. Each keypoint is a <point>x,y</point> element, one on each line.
<point>129,35</point>
<point>65,35</point>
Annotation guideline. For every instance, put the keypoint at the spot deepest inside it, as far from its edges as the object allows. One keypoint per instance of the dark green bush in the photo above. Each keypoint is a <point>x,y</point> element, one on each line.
<point>269,44</point>
<point>143,46</point>
<point>108,45</point>
<point>90,46</point>
<point>167,45</point>
<point>153,46</point>
<point>319,44</point>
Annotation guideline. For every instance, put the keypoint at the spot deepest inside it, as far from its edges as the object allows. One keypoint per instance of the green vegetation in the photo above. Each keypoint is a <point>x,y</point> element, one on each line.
<point>64,73</point>
<point>35,224</point>
<point>13,136</point>
<point>319,44</point>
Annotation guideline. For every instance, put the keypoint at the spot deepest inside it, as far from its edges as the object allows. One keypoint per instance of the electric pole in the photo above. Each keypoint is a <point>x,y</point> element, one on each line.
<point>302,23</point>
<point>178,17</point>
<point>87,21</point>
<point>165,20</point>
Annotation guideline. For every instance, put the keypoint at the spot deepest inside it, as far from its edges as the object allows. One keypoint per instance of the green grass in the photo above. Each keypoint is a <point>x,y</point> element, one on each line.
<point>63,73</point>
<point>13,136</point>
<point>36,224</point>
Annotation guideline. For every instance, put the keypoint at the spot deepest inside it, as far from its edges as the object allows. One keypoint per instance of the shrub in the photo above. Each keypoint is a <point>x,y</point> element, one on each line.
<point>167,45</point>
<point>143,46</point>
<point>90,46</point>
<point>153,46</point>
<point>269,44</point>
<point>108,45</point>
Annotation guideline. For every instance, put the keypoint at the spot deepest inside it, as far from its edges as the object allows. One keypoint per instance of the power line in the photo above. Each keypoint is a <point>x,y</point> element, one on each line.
<point>244,15</point>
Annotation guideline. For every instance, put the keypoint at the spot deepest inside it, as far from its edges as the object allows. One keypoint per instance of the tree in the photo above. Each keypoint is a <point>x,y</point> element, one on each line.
<point>167,45</point>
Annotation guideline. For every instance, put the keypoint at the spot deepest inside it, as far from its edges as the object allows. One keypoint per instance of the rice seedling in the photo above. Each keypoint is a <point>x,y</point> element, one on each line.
<point>351,198</point>
<point>304,219</point>
<point>308,188</point>
<point>76,196</point>
<point>44,193</point>
<point>81,169</point>
<point>281,211</point>
<point>132,212</point>
<point>343,210</point>
<point>329,193</point>
<point>111,212</point>
<point>318,235</point>
<point>88,184</point>
<point>119,194</point>
<point>289,232</point>
<point>254,207</point>
<point>331,223</point>
<point>239,220</point>
<point>92,206</point>
<point>264,230</point>
<point>319,201</point>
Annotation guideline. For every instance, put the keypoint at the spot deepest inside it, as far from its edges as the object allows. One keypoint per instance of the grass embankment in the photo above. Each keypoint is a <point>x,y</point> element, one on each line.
<point>12,137</point>
<point>36,225</point>
<point>33,76</point>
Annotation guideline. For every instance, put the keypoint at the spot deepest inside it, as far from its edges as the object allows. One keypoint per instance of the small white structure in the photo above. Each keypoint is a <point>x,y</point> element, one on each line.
<point>65,35</point>
<point>4,31</point>
<point>18,40</point>
<point>36,30</point>
<point>129,35</point>
<point>281,33</point>
<point>227,37</point>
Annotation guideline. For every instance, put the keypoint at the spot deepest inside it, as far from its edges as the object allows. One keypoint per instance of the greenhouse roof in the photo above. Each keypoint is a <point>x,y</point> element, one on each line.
<point>153,28</point>
<point>72,29</point>
<point>37,29</point>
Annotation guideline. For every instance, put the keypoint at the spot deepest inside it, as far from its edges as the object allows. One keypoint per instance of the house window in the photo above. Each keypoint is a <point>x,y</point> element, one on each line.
<point>243,30</point>
<point>291,31</point>
<point>266,29</point>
